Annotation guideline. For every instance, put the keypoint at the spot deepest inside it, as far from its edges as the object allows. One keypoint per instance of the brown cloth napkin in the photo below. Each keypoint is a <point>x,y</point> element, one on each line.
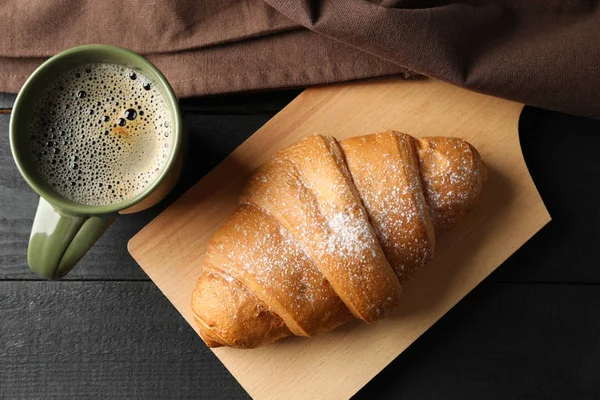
<point>544,53</point>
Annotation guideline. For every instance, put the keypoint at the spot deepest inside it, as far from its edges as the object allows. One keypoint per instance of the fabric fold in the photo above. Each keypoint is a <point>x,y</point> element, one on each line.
<point>293,59</point>
<point>539,53</point>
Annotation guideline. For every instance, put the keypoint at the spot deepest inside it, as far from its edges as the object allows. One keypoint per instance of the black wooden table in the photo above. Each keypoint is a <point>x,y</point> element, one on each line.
<point>531,330</point>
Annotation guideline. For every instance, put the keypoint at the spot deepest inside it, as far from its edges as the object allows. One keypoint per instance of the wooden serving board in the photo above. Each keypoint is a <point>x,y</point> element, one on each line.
<point>336,365</point>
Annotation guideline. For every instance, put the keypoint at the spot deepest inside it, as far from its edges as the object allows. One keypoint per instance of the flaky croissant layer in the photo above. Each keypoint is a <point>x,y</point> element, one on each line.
<point>327,231</point>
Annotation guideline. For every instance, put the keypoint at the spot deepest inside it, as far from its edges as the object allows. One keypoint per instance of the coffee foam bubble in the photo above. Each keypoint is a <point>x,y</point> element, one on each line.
<point>101,134</point>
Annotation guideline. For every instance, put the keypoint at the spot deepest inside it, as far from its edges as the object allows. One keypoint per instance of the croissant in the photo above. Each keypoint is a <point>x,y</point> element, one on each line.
<point>327,231</point>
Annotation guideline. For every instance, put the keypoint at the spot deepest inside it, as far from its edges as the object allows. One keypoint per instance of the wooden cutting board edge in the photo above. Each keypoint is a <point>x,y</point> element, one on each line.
<point>280,122</point>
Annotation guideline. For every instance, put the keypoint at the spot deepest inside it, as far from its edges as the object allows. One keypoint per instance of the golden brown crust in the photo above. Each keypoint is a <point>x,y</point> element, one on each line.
<point>307,191</point>
<point>326,231</point>
<point>227,313</point>
<point>385,171</point>
<point>253,248</point>
<point>453,175</point>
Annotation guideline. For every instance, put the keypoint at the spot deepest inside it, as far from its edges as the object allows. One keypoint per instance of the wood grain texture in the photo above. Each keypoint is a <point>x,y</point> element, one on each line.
<point>211,138</point>
<point>503,341</point>
<point>561,152</point>
<point>472,350</point>
<point>7,100</point>
<point>338,364</point>
<point>76,340</point>
<point>242,103</point>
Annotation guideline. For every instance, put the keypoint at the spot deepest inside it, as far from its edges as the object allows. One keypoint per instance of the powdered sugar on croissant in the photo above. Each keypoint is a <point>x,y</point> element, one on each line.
<point>330,230</point>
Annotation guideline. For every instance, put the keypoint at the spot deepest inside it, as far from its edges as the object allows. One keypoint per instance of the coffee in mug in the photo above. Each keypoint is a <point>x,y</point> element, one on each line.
<point>100,134</point>
<point>97,133</point>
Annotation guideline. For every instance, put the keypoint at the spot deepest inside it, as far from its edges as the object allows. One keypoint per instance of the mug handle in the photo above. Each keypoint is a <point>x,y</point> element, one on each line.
<point>59,239</point>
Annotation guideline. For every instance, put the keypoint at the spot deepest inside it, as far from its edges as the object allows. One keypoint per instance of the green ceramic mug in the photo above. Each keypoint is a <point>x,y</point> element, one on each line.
<point>63,230</point>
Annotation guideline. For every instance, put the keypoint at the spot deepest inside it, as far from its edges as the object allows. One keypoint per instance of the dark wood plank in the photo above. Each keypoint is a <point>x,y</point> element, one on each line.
<point>7,100</point>
<point>210,138</point>
<point>123,340</point>
<point>503,341</point>
<point>120,340</point>
<point>244,103</point>
<point>562,155</point>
